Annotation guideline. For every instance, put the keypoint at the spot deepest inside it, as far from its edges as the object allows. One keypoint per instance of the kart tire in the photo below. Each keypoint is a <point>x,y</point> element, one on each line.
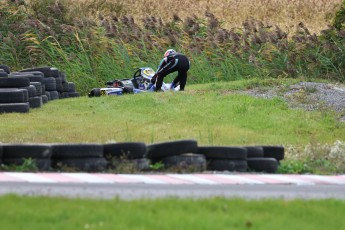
<point>276,152</point>
<point>54,95</point>
<point>98,164</point>
<point>129,150</point>
<point>227,165</point>
<point>12,96</point>
<point>3,73</point>
<point>96,92</point>
<point>31,90</point>
<point>223,152</point>
<point>267,165</point>
<point>73,94</point>
<point>44,99</point>
<point>46,70</point>
<point>27,151</point>
<point>71,87</point>
<point>14,82</point>
<point>42,164</point>
<point>167,149</point>
<point>5,68</point>
<point>38,86</point>
<point>31,76</point>
<point>15,107</point>
<point>191,162</point>
<point>254,151</point>
<point>50,83</point>
<point>62,151</point>
<point>35,102</point>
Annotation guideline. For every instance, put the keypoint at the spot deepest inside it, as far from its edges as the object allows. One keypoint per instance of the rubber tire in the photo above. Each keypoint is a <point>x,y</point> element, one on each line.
<point>61,151</point>
<point>35,102</point>
<point>95,92</point>
<point>5,68</point>
<point>227,165</point>
<point>46,70</point>
<point>125,150</point>
<point>254,151</point>
<point>15,107</point>
<point>223,152</point>
<point>267,165</point>
<point>186,162</point>
<point>3,74</point>
<point>27,150</point>
<point>43,164</point>
<point>14,82</point>
<point>98,164</point>
<point>73,94</point>
<point>276,152</point>
<point>31,90</point>
<point>44,99</point>
<point>167,149</point>
<point>71,87</point>
<point>12,96</point>
<point>50,83</point>
<point>38,86</point>
<point>54,95</point>
<point>31,76</point>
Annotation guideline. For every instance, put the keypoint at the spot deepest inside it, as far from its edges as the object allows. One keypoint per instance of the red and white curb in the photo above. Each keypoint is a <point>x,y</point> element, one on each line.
<point>211,179</point>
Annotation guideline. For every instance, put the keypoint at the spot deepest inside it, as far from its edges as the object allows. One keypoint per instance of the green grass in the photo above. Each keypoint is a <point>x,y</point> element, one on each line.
<point>170,213</point>
<point>210,113</point>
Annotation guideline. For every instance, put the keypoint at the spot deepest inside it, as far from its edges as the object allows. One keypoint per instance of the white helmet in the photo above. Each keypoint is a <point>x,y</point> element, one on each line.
<point>169,52</point>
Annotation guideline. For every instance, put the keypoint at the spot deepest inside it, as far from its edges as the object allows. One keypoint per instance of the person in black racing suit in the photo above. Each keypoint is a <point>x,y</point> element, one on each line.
<point>172,61</point>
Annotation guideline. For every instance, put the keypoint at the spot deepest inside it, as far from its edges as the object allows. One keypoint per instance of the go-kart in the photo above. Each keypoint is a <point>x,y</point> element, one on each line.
<point>140,82</point>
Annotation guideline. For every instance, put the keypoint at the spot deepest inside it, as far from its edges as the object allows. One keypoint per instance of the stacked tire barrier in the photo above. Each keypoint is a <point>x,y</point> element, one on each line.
<point>174,156</point>
<point>31,88</point>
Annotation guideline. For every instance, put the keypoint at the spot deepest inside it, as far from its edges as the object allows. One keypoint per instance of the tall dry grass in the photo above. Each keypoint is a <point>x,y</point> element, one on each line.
<point>315,14</point>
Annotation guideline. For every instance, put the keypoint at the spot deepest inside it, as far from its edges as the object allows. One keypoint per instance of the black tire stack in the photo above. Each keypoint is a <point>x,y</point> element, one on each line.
<point>14,93</point>
<point>182,156</point>
<point>16,155</point>
<point>78,157</point>
<point>57,86</point>
<point>129,156</point>
<point>224,158</point>
<point>31,88</point>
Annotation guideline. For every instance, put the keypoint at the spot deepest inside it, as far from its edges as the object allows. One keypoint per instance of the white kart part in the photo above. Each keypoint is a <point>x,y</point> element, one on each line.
<point>111,91</point>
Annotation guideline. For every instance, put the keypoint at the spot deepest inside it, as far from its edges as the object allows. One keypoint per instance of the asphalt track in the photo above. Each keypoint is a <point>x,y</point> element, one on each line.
<point>128,186</point>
